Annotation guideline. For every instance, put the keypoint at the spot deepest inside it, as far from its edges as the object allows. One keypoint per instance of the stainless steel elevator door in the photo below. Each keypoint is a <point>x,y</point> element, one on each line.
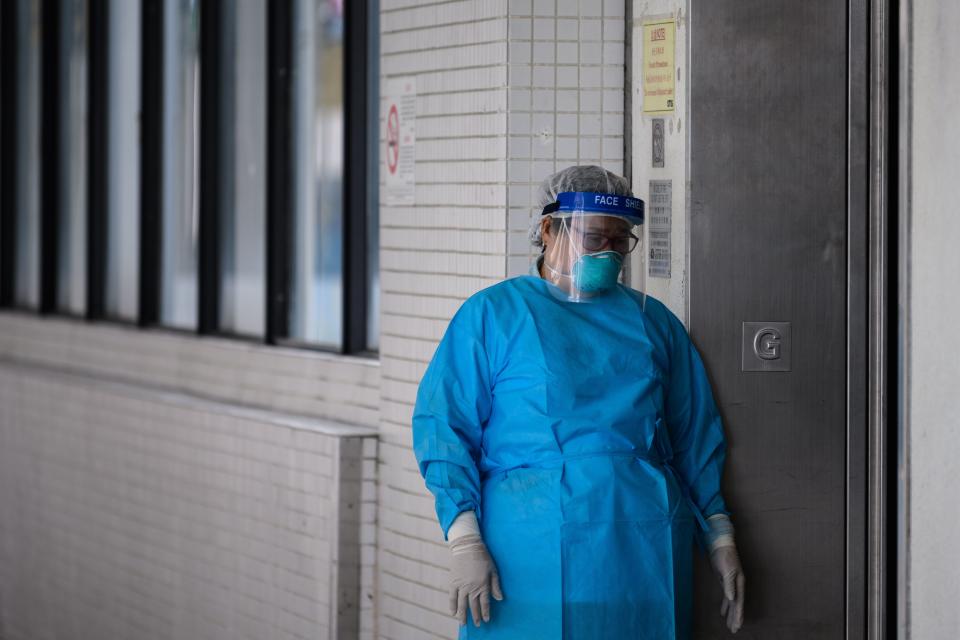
<point>768,243</point>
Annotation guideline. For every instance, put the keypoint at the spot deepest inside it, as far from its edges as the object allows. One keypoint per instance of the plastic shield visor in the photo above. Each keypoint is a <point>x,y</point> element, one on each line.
<point>595,234</point>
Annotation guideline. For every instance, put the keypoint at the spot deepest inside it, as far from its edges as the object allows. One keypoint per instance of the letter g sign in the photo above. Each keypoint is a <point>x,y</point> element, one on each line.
<point>766,344</point>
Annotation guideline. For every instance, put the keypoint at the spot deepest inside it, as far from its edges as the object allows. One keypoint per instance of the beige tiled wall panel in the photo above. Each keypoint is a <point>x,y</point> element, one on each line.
<point>130,512</point>
<point>311,383</point>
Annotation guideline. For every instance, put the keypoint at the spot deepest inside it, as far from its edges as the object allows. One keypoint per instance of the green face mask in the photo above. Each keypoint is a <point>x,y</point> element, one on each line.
<point>595,272</point>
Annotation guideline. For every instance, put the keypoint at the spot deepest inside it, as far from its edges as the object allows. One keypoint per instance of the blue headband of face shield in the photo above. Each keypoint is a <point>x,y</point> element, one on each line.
<point>601,203</point>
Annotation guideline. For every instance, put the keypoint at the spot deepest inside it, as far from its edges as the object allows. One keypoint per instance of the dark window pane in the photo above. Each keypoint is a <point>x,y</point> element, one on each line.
<point>316,244</point>
<point>123,159</point>
<point>26,287</point>
<point>72,161</point>
<point>243,182</point>
<point>181,113</point>
<point>373,177</point>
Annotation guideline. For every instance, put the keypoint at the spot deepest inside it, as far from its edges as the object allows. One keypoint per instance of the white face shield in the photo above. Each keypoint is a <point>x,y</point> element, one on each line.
<point>596,233</point>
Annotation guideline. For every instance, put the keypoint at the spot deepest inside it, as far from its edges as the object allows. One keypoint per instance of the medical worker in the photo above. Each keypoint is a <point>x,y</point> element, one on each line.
<point>567,430</point>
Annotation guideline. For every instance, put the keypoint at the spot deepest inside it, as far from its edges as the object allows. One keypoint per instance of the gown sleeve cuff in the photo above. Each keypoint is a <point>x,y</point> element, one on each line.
<point>463,525</point>
<point>721,532</point>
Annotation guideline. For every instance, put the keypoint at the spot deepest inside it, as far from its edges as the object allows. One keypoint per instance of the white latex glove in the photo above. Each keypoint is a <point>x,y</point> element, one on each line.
<point>473,577</point>
<point>726,564</point>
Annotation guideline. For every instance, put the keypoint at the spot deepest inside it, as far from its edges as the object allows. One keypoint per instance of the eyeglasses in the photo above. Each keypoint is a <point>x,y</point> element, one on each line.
<point>597,242</point>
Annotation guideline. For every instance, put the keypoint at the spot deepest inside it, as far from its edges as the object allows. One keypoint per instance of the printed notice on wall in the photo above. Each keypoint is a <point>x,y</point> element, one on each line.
<point>659,75</point>
<point>661,210</point>
<point>400,121</point>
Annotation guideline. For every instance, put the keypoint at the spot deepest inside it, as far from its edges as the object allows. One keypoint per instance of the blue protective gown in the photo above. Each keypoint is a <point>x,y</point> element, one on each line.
<point>586,439</point>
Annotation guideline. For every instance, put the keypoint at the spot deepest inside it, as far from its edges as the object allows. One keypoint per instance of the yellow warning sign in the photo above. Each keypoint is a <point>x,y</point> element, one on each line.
<point>659,77</point>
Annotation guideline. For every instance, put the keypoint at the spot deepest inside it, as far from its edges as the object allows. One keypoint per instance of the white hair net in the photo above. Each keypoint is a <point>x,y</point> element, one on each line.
<point>588,177</point>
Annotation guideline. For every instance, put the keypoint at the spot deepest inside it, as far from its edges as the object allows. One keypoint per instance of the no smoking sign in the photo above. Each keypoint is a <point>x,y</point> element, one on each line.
<point>393,139</point>
<point>400,136</point>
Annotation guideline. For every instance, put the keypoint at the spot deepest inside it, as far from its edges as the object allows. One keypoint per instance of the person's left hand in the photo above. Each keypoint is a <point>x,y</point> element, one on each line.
<point>473,579</point>
<point>726,564</point>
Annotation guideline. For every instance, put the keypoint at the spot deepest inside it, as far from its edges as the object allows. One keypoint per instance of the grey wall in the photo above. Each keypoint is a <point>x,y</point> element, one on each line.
<point>932,364</point>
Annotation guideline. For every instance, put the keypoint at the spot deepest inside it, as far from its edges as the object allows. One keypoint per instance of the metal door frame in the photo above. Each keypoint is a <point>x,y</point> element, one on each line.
<point>869,612</point>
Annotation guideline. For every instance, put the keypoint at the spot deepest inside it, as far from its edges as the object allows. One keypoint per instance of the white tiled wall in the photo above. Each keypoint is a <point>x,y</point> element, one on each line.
<point>565,101</point>
<point>507,92</point>
<point>449,243</point>
<point>133,513</point>
<point>290,380</point>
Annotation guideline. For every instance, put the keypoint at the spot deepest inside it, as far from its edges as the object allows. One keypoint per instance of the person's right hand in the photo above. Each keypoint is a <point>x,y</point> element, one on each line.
<point>473,577</point>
